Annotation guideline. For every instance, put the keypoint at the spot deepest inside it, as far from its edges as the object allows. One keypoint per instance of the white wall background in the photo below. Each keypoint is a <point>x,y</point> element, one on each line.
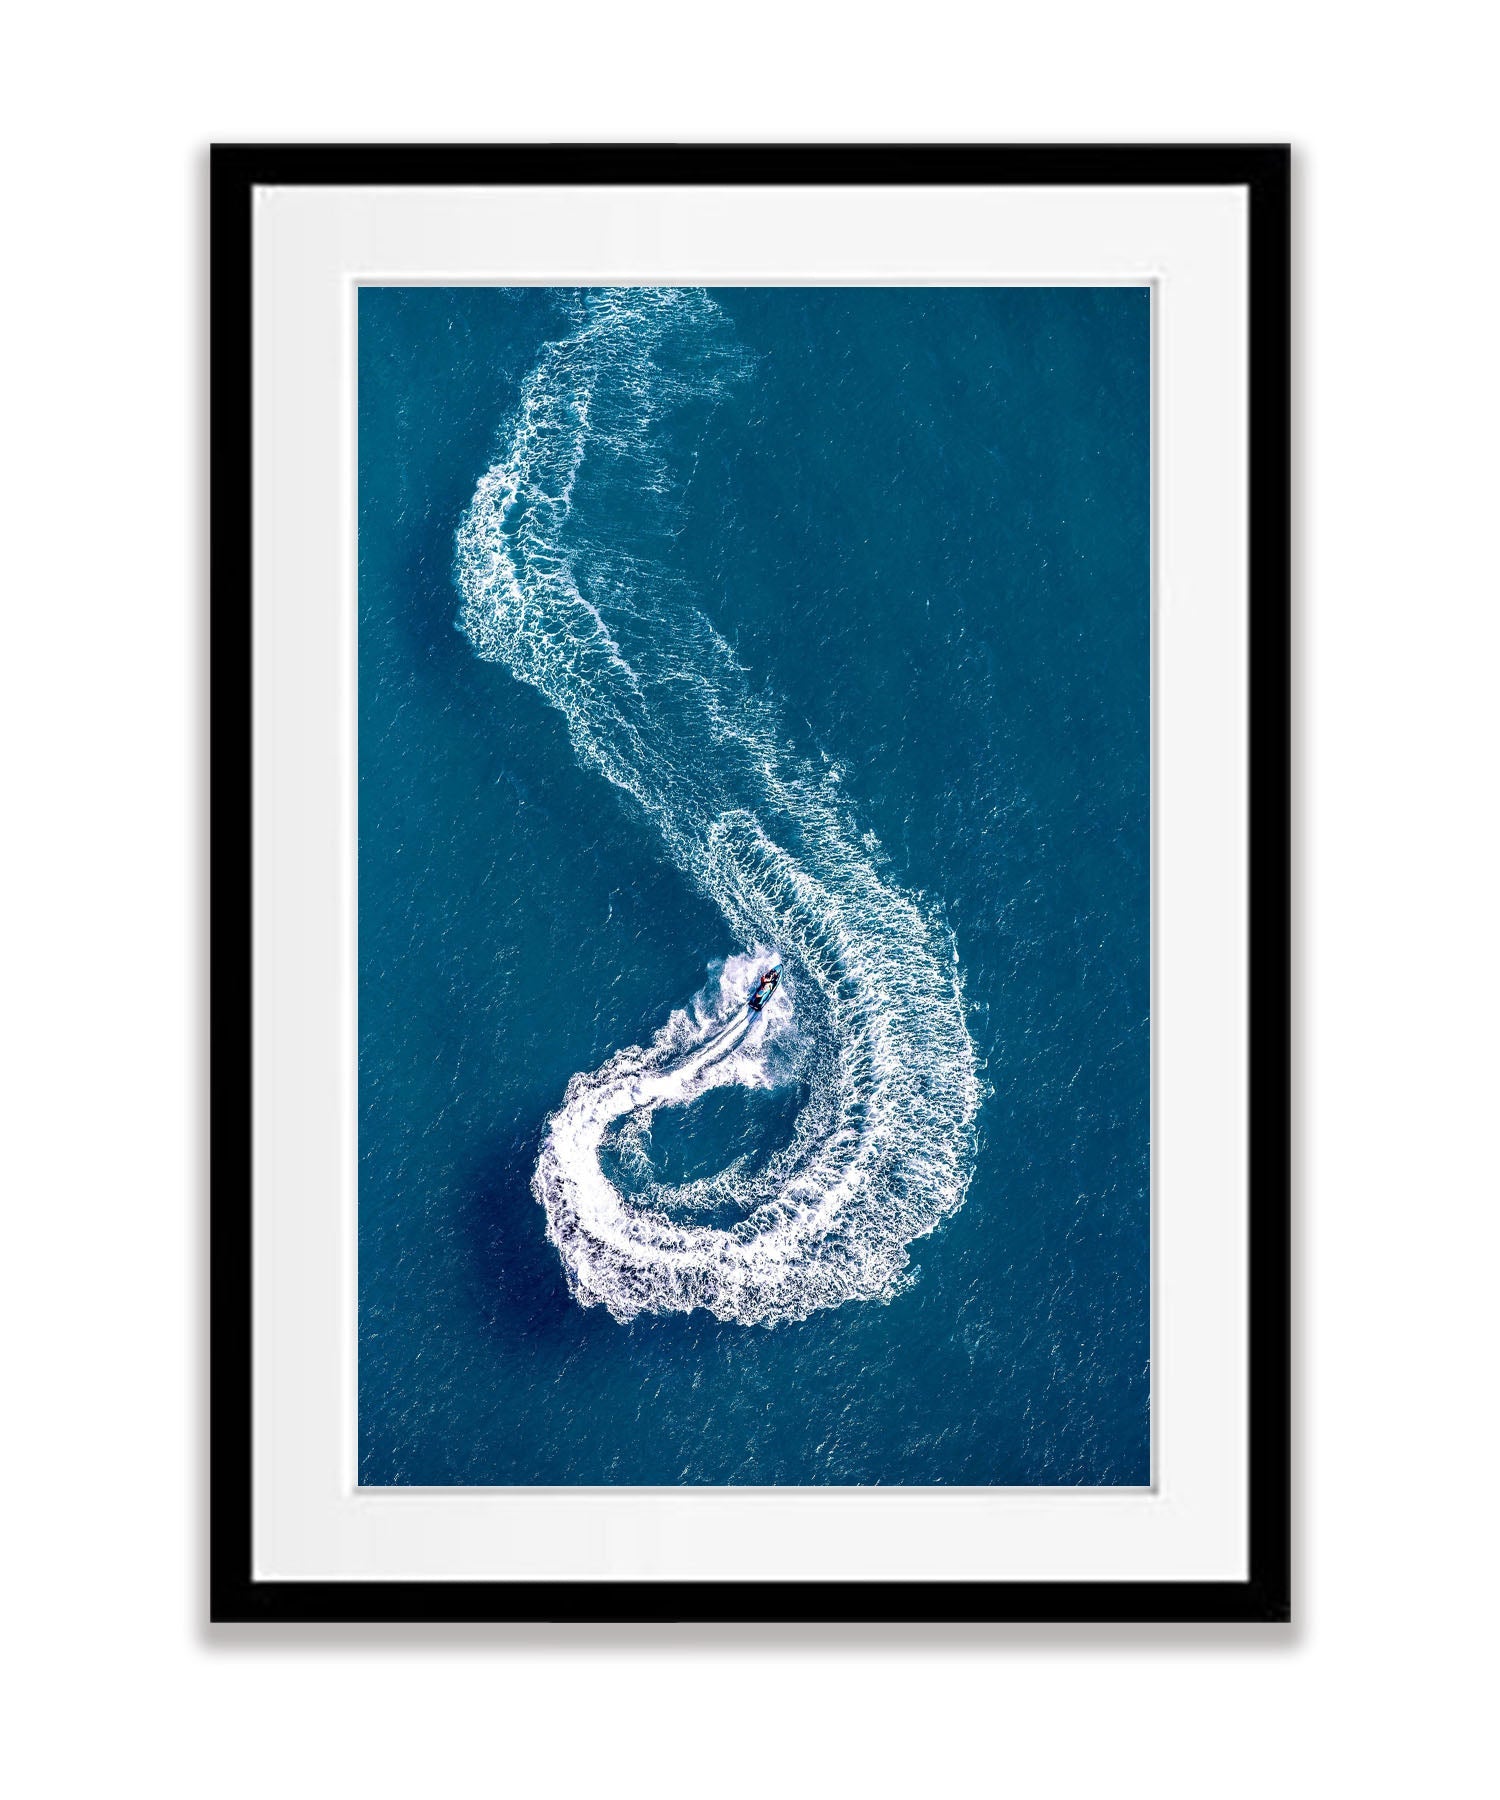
<point>117,1684</point>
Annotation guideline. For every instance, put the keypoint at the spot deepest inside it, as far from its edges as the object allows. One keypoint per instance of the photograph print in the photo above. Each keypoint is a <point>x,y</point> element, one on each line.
<point>754,886</point>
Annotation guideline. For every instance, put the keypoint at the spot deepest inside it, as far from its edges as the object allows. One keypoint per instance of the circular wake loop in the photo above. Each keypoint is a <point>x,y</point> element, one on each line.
<point>882,1148</point>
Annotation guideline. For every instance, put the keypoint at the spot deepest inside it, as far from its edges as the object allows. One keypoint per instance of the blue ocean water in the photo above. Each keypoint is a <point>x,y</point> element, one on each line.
<point>706,633</point>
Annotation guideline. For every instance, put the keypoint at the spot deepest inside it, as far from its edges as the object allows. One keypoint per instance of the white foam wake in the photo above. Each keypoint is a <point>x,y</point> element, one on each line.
<point>654,701</point>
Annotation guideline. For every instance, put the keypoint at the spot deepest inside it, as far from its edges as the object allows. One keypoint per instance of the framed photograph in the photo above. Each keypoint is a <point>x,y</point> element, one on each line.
<point>750,883</point>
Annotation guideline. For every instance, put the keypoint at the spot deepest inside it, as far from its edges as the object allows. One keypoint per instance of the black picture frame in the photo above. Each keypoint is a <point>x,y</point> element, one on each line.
<point>234,1592</point>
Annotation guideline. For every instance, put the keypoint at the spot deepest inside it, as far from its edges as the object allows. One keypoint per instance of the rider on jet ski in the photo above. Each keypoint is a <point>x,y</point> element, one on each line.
<point>765,988</point>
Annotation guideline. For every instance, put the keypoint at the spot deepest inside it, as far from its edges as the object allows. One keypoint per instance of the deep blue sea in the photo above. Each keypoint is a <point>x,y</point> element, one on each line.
<point>704,634</point>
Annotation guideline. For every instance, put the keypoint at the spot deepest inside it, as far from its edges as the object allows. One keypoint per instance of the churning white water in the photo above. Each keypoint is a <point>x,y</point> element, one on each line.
<point>870,1014</point>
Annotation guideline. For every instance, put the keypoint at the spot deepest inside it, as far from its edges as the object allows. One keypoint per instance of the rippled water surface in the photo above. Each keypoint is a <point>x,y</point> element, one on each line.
<point>703,634</point>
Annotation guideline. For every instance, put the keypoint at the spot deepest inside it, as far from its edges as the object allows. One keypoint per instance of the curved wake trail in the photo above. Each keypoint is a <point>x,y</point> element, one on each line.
<point>869,1017</point>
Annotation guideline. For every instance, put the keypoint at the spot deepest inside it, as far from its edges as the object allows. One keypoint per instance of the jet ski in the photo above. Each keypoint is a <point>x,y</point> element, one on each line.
<point>764,988</point>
